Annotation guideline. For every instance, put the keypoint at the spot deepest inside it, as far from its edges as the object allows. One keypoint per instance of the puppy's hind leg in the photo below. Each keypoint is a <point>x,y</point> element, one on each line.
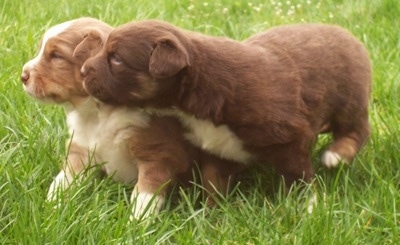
<point>347,141</point>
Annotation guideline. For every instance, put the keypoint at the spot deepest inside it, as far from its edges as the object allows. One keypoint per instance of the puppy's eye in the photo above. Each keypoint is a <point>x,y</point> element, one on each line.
<point>55,55</point>
<point>115,59</point>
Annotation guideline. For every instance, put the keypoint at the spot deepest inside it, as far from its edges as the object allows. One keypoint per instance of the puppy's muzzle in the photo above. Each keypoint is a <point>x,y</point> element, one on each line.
<point>84,71</point>
<point>25,77</point>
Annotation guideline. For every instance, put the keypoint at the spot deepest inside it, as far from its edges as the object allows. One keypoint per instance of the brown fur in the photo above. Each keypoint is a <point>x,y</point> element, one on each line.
<point>276,90</point>
<point>157,148</point>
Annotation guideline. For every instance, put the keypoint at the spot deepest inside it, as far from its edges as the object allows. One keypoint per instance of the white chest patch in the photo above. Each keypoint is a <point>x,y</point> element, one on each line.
<point>105,135</point>
<point>219,140</point>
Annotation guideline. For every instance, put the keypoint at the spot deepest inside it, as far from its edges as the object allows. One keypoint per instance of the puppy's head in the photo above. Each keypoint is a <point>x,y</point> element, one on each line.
<point>54,74</point>
<point>141,61</point>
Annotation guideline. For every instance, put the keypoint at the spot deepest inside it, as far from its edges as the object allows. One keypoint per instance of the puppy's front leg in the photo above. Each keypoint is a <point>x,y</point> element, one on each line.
<point>148,195</point>
<point>293,162</point>
<point>72,169</point>
<point>217,174</point>
<point>61,182</point>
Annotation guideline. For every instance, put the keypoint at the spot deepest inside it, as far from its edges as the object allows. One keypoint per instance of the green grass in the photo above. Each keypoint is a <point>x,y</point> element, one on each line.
<point>359,204</point>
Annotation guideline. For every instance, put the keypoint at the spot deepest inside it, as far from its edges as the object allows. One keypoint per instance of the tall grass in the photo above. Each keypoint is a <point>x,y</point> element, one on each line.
<point>359,204</point>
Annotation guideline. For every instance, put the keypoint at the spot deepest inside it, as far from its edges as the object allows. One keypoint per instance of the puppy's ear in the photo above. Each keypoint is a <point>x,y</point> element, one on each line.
<point>90,45</point>
<point>168,57</point>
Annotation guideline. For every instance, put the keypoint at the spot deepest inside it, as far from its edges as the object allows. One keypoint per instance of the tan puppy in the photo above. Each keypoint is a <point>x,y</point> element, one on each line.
<point>132,145</point>
<point>265,99</point>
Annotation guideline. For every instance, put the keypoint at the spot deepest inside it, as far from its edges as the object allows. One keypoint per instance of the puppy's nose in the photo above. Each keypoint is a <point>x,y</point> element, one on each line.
<point>84,71</point>
<point>25,76</point>
<point>86,68</point>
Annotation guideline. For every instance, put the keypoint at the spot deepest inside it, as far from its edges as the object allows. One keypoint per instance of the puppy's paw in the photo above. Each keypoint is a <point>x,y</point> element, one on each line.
<point>145,205</point>
<point>58,185</point>
<point>332,159</point>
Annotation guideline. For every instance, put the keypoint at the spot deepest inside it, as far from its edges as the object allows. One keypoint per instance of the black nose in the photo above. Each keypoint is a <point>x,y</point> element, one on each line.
<point>25,77</point>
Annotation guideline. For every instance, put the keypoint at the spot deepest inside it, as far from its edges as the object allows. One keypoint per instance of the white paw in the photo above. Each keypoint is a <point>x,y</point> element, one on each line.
<point>60,183</point>
<point>331,159</point>
<point>145,204</point>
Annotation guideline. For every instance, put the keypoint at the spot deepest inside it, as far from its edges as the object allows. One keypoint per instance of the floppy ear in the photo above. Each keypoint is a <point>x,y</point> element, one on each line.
<point>168,57</point>
<point>90,45</point>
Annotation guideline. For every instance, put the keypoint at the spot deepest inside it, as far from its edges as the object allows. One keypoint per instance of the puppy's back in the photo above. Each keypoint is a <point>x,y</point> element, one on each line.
<point>331,62</point>
<point>317,47</point>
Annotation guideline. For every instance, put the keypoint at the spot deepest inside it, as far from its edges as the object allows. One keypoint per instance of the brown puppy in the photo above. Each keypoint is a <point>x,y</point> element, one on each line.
<point>264,99</point>
<point>131,144</point>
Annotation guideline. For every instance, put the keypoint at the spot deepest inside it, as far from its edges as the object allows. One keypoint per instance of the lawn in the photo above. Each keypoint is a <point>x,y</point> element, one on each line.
<point>359,204</point>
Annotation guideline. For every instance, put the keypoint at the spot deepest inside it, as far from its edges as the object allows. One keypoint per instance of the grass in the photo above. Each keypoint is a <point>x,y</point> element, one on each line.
<point>359,204</point>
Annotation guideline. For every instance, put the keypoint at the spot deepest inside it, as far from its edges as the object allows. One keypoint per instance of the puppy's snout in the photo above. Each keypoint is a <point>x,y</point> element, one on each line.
<point>84,71</point>
<point>25,76</point>
<point>86,68</point>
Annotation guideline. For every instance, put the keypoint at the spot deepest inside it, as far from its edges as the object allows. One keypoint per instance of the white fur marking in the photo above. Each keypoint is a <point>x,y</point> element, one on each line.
<point>145,204</point>
<point>219,140</point>
<point>105,132</point>
<point>331,159</point>
<point>60,183</point>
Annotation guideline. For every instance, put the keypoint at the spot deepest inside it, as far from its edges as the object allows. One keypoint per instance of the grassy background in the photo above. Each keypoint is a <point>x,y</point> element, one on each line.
<point>359,204</point>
